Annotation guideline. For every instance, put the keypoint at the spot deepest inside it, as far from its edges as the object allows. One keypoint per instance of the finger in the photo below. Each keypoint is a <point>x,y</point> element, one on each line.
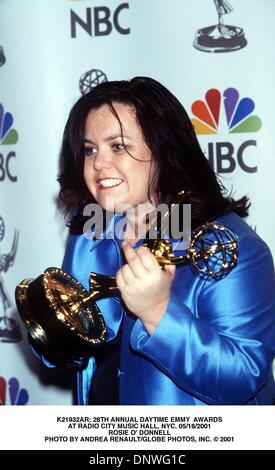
<point>147,258</point>
<point>133,261</point>
<point>119,280</point>
<point>170,269</point>
<point>127,275</point>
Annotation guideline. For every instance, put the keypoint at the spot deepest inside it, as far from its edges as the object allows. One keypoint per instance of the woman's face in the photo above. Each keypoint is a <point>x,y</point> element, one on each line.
<point>114,178</point>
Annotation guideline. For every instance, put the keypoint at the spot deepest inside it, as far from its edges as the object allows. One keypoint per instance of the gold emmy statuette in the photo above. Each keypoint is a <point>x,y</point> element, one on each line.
<point>63,319</point>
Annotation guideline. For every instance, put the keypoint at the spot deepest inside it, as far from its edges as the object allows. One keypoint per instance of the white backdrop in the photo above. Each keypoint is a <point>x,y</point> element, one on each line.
<point>46,46</point>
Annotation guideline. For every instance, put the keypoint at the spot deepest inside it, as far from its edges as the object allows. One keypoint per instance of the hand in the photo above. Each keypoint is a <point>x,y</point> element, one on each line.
<point>144,286</point>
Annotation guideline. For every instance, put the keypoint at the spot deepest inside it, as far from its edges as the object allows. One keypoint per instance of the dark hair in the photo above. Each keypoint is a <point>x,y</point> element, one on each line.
<point>168,133</point>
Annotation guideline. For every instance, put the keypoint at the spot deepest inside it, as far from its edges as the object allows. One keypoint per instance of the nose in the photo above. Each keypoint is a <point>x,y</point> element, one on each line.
<point>102,160</point>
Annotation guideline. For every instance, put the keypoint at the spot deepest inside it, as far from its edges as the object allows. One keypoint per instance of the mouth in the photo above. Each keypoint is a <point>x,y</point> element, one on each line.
<point>106,183</point>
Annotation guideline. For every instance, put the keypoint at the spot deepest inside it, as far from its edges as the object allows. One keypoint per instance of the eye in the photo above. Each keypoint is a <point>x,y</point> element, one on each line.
<point>89,151</point>
<point>118,147</point>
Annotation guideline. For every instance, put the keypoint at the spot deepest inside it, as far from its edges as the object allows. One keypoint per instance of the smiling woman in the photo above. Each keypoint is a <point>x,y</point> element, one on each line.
<point>173,336</point>
<point>118,162</point>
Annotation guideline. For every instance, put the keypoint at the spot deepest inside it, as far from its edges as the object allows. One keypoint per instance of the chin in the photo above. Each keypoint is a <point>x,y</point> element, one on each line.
<point>110,206</point>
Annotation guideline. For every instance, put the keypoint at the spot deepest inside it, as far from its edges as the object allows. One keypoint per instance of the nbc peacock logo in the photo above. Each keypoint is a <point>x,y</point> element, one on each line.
<point>227,113</point>
<point>8,136</point>
<point>11,393</point>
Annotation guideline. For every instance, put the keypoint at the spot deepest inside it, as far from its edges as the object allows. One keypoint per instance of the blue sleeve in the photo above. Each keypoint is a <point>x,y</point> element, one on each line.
<point>223,354</point>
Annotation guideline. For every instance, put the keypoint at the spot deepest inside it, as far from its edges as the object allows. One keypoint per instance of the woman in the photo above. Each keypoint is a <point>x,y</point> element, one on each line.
<point>175,337</point>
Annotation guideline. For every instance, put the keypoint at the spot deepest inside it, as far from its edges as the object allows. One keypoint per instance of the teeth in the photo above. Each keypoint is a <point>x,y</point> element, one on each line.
<point>109,182</point>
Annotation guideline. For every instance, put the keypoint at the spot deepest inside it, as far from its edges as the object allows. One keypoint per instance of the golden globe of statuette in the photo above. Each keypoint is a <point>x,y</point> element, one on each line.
<point>212,252</point>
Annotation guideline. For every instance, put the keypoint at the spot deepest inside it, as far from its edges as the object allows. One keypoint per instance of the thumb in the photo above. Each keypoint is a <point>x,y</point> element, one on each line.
<point>171,270</point>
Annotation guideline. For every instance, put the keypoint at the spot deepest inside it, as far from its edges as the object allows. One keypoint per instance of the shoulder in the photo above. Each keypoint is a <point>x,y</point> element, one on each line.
<point>250,244</point>
<point>238,225</point>
<point>242,230</point>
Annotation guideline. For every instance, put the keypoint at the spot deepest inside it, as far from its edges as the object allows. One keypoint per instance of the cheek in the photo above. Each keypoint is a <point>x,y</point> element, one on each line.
<point>88,172</point>
<point>145,174</point>
<point>89,178</point>
<point>141,179</point>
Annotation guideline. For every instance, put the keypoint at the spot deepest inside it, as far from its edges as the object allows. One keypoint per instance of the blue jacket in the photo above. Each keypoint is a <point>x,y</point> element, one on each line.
<point>216,341</point>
